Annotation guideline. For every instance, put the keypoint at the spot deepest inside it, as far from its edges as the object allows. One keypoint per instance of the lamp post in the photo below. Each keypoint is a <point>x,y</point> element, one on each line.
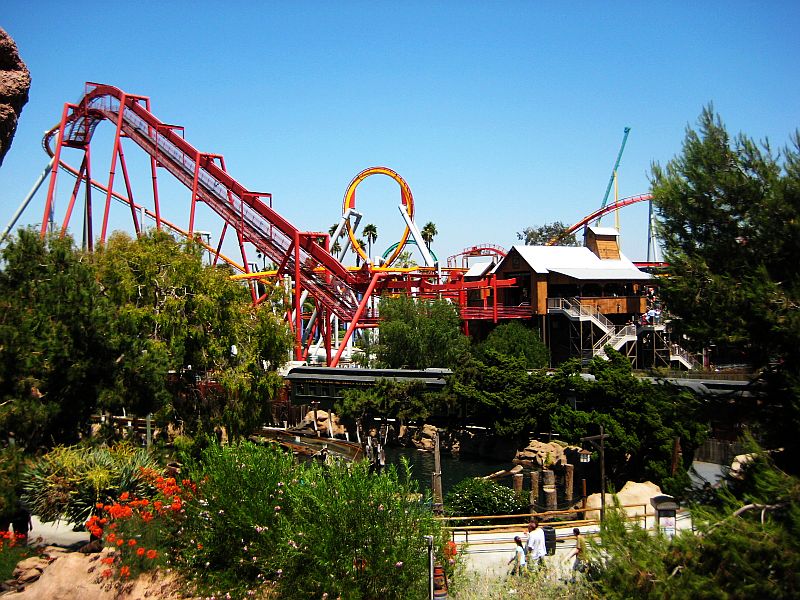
<point>593,439</point>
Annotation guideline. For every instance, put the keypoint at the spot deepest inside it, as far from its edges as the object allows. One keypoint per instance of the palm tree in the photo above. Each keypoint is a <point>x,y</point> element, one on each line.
<point>336,247</point>
<point>405,260</point>
<point>428,233</point>
<point>371,233</point>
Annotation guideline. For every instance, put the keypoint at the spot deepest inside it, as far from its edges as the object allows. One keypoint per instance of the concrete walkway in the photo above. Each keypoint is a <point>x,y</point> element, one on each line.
<point>489,552</point>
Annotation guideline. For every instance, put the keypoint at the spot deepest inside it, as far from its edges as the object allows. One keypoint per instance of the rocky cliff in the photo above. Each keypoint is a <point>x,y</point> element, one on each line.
<point>15,81</point>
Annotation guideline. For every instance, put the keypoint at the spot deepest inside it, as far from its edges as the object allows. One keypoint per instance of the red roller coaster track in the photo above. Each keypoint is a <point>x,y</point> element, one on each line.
<point>622,203</point>
<point>302,255</point>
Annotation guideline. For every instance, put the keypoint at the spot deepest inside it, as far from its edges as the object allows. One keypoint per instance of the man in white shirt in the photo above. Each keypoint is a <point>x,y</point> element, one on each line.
<point>534,545</point>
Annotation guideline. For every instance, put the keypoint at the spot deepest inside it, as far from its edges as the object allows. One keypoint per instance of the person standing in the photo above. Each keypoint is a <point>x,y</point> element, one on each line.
<point>535,545</point>
<point>579,553</point>
<point>519,557</point>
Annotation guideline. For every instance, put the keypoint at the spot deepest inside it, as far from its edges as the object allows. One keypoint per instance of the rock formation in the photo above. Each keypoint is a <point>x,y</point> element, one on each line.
<point>546,455</point>
<point>15,81</point>
<point>60,575</point>
<point>634,496</point>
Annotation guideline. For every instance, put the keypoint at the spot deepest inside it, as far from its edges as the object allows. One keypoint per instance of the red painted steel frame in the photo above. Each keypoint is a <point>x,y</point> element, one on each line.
<point>205,175</point>
<point>602,211</point>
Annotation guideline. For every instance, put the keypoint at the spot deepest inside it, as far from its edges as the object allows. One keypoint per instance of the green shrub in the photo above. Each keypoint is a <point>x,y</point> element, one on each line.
<point>477,496</point>
<point>259,520</point>
<point>68,482</point>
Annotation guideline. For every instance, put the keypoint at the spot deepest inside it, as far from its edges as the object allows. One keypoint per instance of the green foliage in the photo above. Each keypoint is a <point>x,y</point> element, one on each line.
<point>729,217</point>
<point>500,393</point>
<point>417,334</point>
<point>174,314</point>
<point>311,529</point>
<point>53,357</point>
<point>12,464</point>
<point>68,482</point>
<point>393,399</point>
<point>514,339</point>
<point>542,234</point>
<point>752,554</point>
<point>130,327</point>
<point>477,496</point>
<point>642,419</point>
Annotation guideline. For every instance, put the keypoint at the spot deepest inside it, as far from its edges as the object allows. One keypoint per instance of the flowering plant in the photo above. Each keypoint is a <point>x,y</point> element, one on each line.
<point>140,529</point>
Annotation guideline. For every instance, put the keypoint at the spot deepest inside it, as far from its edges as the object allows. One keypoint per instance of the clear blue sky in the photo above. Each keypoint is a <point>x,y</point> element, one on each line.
<point>499,115</point>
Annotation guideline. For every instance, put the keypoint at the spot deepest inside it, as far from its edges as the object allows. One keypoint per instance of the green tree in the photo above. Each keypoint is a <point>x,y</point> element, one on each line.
<point>417,334</point>
<point>405,260</point>
<point>746,548</point>
<point>429,232</point>
<point>514,339</point>
<point>54,354</point>
<point>540,235</point>
<point>370,232</point>
<point>176,315</point>
<point>729,218</point>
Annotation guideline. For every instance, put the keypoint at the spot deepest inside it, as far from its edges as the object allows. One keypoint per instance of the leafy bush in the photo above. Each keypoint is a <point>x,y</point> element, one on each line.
<point>477,496</point>
<point>308,529</point>
<point>749,549</point>
<point>68,482</point>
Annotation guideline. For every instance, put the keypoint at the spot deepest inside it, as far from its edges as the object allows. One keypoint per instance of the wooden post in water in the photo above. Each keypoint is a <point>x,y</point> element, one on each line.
<point>517,482</point>
<point>583,500</point>
<point>548,477</point>
<point>550,497</point>
<point>534,496</point>
<point>438,502</point>
<point>569,474</point>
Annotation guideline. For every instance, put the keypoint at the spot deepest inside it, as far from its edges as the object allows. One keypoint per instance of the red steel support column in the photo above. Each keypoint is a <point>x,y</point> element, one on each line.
<point>194,193</point>
<point>48,206</point>
<point>354,323</point>
<point>81,176</point>
<point>298,310</point>
<point>136,225</point>
<point>88,230</point>
<point>154,170</point>
<point>110,187</point>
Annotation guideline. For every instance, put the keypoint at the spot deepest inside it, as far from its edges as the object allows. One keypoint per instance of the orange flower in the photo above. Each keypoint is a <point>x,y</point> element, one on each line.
<point>199,546</point>
<point>120,542</point>
<point>131,542</point>
<point>107,573</point>
<point>111,537</point>
<point>107,560</point>
<point>151,554</point>
<point>99,506</point>
<point>124,496</point>
<point>125,571</point>
<point>140,551</point>
<point>147,517</point>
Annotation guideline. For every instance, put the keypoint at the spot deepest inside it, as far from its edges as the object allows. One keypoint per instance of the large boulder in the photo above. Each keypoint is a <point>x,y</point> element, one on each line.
<point>15,81</point>
<point>634,497</point>
<point>76,576</point>
<point>325,422</point>
<point>546,455</point>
